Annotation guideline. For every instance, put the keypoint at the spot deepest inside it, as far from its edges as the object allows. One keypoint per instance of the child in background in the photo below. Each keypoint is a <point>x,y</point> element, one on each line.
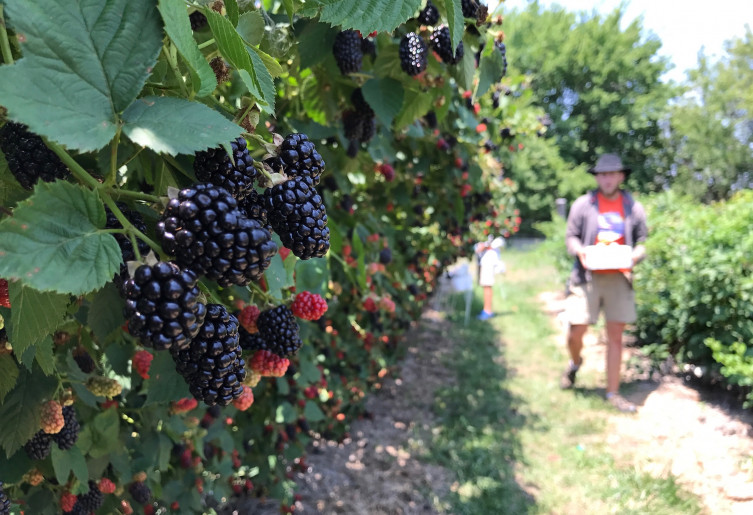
<point>490,265</point>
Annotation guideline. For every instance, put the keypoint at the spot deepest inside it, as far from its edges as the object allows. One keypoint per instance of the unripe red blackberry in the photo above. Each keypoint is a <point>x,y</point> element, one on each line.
<point>429,15</point>
<point>212,365</point>
<point>208,234</point>
<point>162,306</point>
<point>29,159</point>
<point>297,214</point>
<point>245,400</point>
<point>142,361</point>
<point>347,51</point>
<point>68,502</point>
<point>215,167</point>
<point>268,364</point>
<point>413,54</point>
<point>442,45</point>
<point>308,306</point>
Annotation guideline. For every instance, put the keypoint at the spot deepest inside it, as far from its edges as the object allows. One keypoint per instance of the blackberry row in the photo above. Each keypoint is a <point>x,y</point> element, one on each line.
<point>214,166</point>
<point>29,159</point>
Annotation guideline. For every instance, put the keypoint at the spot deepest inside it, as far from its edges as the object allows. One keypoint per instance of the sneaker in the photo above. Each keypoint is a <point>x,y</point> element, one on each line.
<point>485,315</point>
<point>621,403</point>
<point>567,381</point>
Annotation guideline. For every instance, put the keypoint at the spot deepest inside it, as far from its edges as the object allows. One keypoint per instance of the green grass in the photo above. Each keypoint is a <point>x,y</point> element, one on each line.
<point>516,443</point>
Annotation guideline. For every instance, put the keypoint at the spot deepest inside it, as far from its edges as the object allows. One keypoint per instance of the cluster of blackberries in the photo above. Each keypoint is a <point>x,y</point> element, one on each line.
<point>442,45</point>
<point>429,15</point>
<point>236,176</point>
<point>209,235</point>
<point>40,445</point>
<point>348,51</point>
<point>124,242</point>
<point>162,305</point>
<point>212,364</point>
<point>89,502</point>
<point>500,46</point>
<point>29,159</point>
<point>359,123</point>
<point>278,333</point>
<point>413,54</point>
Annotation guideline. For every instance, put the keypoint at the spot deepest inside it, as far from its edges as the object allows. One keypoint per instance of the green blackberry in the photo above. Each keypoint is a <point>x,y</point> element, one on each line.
<point>29,159</point>
<point>429,15</point>
<point>208,234</point>
<point>198,20</point>
<point>4,501</point>
<point>413,54</point>
<point>470,8</point>
<point>253,207</point>
<point>296,213</point>
<point>140,492</point>
<point>162,306</point>
<point>90,501</point>
<point>124,242</point>
<point>67,436</point>
<point>278,332</point>
<point>442,45</point>
<point>215,167</point>
<point>39,447</point>
<point>347,51</point>
<point>299,158</point>
<point>212,365</point>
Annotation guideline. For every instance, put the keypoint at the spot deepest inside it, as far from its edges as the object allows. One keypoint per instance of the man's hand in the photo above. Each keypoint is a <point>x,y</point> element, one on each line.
<point>639,253</point>
<point>581,253</point>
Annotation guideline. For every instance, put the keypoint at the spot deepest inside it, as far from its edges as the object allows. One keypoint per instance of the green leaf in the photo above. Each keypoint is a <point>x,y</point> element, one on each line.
<point>289,8</point>
<point>455,20</point>
<point>491,70</point>
<point>285,413</point>
<point>251,27</point>
<point>415,105</point>
<point>277,276</point>
<point>52,241</point>
<point>379,15</point>
<point>11,191</point>
<point>270,63</point>
<point>358,251</point>
<point>315,43</point>
<point>312,275</point>
<point>231,7</point>
<point>105,433</point>
<point>45,355</point>
<point>8,375</point>
<point>164,384</point>
<point>84,62</point>
<point>312,412</point>
<point>15,467</point>
<point>178,28</point>
<point>19,418</point>
<point>385,96</point>
<point>105,312</point>
<point>463,73</point>
<point>177,126</point>
<point>264,77</point>
<point>35,315</point>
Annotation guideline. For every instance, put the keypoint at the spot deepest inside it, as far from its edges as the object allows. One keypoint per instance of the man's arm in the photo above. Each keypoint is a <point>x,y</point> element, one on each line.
<point>574,232</point>
<point>640,233</point>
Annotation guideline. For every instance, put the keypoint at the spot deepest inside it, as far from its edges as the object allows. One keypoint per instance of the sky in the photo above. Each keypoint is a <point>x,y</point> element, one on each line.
<point>683,26</point>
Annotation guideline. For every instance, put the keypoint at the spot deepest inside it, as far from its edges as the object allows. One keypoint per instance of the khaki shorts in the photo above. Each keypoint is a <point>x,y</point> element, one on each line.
<point>610,292</point>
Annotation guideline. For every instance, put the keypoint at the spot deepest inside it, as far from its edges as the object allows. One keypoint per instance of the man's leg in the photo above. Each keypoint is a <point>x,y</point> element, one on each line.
<point>614,355</point>
<point>575,335</point>
<point>488,296</point>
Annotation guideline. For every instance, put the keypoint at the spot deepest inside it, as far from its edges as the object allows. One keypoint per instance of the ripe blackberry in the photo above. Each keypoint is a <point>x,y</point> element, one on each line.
<point>140,492</point>
<point>413,55</point>
<point>368,47</point>
<point>208,234</point>
<point>442,45</point>
<point>253,207</point>
<point>215,167</point>
<point>385,256</point>
<point>3,340</point>
<point>162,306</point>
<point>296,213</point>
<point>429,15</point>
<point>502,50</point>
<point>347,51</point>
<point>212,365</point>
<point>431,119</point>
<point>29,159</point>
<point>470,8</point>
<point>278,331</point>
<point>91,500</point>
<point>299,158</point>
<point>198,20</point>
<point>84,360</point>
<point>39,447</point>
<point>4,501</point>
<point>67,436</point>
<point>124,242</point>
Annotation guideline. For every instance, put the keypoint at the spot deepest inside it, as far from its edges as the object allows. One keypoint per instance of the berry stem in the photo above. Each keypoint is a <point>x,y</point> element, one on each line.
<point>76,169</point>
<point>114,158</point>
<point>4,42</point>
<point>206,43</point>
<point>131,229</point>
<point>135,246</point>
<point>209,293</point>
<point>264,295</point>
<point>136,195</point>
<point>173,62</point>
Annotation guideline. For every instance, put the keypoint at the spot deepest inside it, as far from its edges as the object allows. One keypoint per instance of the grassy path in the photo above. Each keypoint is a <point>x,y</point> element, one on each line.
<point>516,442</point>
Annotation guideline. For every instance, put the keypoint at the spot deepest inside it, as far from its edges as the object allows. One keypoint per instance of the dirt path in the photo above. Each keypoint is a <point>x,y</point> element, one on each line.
<point>680,430</point>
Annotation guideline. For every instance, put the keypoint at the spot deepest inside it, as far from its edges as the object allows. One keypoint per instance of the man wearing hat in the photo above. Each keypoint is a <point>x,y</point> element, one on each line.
<point>607,215</point>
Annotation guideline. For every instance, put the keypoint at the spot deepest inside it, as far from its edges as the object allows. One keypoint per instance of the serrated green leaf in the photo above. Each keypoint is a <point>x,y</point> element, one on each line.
<point>385,96</point>
<point>178,29</point>
<point>78,466</point>
<point>315,43</point>
<point>463,73</point>
<point>45,355</point>
<point>289,8</point>
<point>164,384</point>
<point>455,20</point>
<point>379,15</point>
<point>415,105</point>
<point>277,277</point>
<point>15,467</point>
<point>251,27</point>
<point>177,126</point>
<point>19,419</point>
<point>310,374</point>
<point>61,464</point>
<point>312,275</point>
<point>231,7</point>
<point>270,63</point>
<point>264,77</point>
<point>84,62</point>
<point>35,315</point>
<point>312,412</point>
<point>360,260</point>
<point>491,70</point>
<point>53,241</point>
<point>105,433</point>
<point>105,312</point>
<point>11,191</point>
<point>8,375</point>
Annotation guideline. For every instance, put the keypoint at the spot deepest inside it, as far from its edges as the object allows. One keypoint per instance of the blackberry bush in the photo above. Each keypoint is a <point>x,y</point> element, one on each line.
<point>214,166</point>
<point>296,213</point>
<point>29,159</point>
<point>208,234</point>
<point>413,54</point>
<point>162,305</point>
<point>429,15</point>
<point>442,45</point>
<point>278,333</point>
<point>212,365</point>
<point>347,51</point>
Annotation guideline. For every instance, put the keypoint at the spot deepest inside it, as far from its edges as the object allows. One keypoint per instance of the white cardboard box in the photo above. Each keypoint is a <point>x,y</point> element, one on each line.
<point>609,257</point>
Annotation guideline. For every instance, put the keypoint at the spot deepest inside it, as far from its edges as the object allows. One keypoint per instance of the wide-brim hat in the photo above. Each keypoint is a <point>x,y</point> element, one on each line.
<point>609,163</point>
